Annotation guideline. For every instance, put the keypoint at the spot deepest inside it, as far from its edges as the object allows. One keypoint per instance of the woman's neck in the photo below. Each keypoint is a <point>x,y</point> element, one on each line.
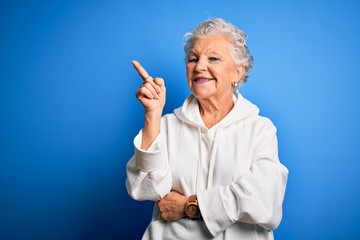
<point>213,112</point>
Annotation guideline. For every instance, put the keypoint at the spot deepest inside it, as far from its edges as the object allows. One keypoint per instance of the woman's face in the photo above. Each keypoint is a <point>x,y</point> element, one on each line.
<point>210,69</point>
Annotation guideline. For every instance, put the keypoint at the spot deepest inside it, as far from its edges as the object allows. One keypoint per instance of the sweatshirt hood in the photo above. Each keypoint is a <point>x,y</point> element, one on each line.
<point>190,114</point>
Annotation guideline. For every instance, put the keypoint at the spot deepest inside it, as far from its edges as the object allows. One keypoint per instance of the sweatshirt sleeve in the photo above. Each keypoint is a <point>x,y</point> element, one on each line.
<point>148,172</point>
<point>254,198</point>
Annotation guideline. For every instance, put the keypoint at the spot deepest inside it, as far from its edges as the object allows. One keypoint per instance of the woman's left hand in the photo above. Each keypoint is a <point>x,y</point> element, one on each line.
<point>172,206</point>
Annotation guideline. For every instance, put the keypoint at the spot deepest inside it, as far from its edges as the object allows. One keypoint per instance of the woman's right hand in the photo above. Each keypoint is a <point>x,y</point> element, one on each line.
<point>152,92</point>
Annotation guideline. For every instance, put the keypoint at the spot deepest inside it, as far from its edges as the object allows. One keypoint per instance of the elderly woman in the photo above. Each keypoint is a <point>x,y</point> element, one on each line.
<point>211,166</point>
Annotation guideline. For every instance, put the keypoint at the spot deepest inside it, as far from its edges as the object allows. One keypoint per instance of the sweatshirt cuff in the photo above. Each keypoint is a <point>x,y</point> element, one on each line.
<point>213,211</point>
<point>151,159</point>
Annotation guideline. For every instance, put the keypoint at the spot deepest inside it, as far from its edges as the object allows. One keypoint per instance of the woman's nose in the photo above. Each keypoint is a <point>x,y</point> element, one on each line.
<point>201,65</point>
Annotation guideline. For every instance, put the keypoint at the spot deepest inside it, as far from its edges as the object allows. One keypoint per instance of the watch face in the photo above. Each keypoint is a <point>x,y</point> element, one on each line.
<point>192,211</point>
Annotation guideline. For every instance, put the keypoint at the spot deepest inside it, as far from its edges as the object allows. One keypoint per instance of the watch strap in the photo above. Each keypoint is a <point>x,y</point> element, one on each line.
<point>192,199</point>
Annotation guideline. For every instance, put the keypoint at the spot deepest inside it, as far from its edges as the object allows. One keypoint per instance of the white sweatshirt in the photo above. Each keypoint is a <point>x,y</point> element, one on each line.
<point>233,168</point>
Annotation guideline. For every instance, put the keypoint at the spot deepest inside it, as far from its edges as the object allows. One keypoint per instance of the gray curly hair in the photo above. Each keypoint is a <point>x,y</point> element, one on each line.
<point>239,53</point>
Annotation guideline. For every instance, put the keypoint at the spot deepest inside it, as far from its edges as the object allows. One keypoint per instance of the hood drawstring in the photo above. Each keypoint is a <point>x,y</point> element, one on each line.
<point>212,161</point>
<point>199,164</point>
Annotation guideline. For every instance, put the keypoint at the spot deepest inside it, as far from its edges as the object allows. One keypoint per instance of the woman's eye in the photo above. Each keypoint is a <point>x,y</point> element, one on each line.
<point>193,60</point>
<point>214,59</point>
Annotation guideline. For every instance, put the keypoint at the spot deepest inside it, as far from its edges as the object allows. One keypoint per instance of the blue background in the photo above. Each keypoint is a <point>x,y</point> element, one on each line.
<point>69,112</point>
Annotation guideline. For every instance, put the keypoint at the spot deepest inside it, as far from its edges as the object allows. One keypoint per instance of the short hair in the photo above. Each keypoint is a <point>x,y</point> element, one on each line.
<point>239,53</point>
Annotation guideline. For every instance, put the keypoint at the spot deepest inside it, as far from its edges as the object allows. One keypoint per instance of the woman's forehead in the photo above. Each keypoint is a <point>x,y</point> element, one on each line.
<point>210,44</point>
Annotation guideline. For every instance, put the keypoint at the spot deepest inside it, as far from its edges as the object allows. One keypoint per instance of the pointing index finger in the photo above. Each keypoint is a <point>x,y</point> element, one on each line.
<point>142,72</point>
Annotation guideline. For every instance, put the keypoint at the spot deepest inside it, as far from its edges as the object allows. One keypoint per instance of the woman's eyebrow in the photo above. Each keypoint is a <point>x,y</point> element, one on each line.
<point>193,52</point>
<point>213,51</point>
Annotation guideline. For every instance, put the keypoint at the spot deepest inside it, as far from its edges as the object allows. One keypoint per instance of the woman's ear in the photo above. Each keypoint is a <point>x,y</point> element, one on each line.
<point>240,70</point>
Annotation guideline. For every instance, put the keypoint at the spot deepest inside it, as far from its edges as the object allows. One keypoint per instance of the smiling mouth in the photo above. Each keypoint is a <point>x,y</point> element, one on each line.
<point>202,80</point>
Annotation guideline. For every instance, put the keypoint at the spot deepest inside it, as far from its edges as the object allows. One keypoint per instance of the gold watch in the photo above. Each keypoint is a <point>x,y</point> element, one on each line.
<point>192,209</point>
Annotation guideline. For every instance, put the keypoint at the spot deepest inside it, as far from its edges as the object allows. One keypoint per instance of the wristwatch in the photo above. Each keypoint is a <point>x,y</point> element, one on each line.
<point>192,209</point>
